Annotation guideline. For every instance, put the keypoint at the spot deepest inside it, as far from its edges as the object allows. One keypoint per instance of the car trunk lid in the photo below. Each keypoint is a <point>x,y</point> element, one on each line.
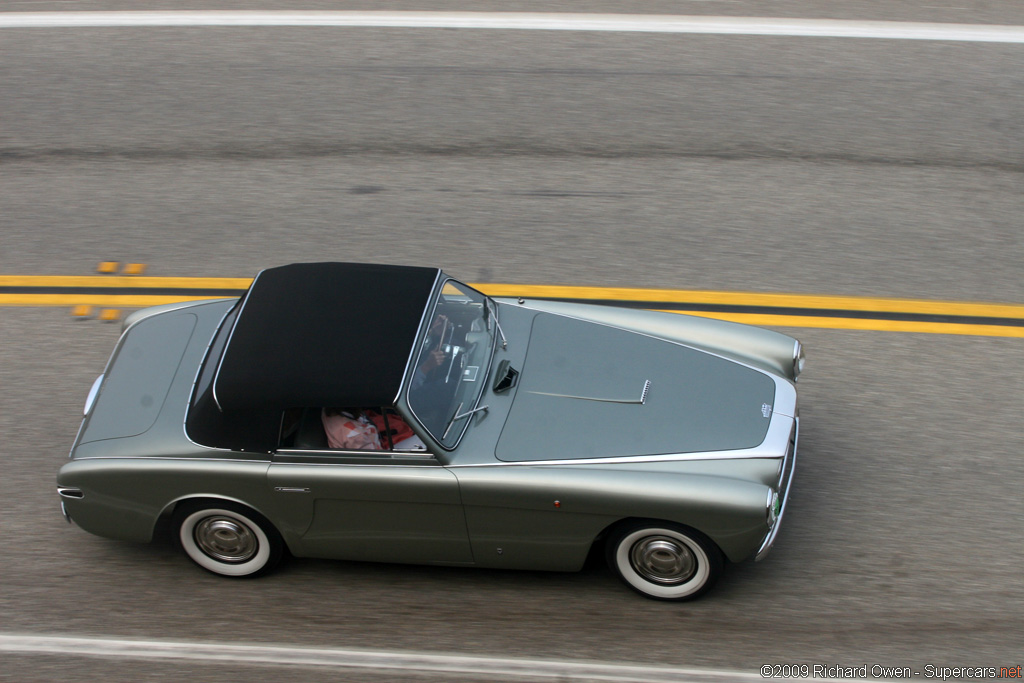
<point>134,387</point>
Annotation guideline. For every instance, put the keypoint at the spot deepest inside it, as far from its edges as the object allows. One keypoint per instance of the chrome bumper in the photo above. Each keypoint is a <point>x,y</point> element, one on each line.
<point>788,467</point>
<point>68,492</point>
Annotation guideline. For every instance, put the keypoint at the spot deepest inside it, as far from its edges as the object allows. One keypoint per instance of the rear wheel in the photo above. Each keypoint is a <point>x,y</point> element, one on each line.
<point>228,539</point>
<point>664,561</point>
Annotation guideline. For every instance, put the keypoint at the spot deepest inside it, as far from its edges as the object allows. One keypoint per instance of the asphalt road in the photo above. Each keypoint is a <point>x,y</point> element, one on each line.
<point>854,167</point>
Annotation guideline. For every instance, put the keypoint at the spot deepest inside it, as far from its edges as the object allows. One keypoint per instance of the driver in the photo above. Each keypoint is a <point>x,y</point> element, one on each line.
<point>432,359</point>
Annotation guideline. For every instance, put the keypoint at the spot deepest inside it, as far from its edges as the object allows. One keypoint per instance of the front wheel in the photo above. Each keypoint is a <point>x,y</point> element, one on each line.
<point>664,561</point>
<point>228,539</point>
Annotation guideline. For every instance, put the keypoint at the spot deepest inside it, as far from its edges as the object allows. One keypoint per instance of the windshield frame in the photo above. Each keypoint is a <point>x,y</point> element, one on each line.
<point>446,433</point>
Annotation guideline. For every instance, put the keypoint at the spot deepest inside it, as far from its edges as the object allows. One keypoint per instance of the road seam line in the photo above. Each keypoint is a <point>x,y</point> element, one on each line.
<point>535,21</point>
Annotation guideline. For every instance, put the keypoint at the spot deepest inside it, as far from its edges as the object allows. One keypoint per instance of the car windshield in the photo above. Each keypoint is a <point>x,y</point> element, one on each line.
<point>454,357</point>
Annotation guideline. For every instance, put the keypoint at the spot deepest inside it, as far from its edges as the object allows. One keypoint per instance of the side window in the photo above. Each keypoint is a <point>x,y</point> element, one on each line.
<point>352,429</point>
<point>397,433</point>
<point>348,429</point>
<point>303,429</point>
<point>290,420</point>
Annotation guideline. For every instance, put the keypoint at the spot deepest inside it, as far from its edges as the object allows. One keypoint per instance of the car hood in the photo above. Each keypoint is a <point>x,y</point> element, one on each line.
<point>589,390</point>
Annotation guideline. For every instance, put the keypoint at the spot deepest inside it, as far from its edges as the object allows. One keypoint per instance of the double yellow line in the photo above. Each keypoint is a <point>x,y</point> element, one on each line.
<point>786,310</point>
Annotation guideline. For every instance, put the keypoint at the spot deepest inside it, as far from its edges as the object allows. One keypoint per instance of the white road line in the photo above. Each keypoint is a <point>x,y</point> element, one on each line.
<point>482,668</point>
<point>644,23</point>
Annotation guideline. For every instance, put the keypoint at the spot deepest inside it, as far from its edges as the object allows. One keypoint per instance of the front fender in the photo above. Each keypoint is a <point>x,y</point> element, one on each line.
<point>552,514</point>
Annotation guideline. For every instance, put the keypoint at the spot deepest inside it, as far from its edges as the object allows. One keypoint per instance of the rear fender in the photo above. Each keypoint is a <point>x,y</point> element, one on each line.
<point>123,498</point>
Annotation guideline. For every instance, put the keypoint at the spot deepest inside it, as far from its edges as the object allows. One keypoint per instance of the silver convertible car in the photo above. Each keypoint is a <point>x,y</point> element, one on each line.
<point>394,414</point>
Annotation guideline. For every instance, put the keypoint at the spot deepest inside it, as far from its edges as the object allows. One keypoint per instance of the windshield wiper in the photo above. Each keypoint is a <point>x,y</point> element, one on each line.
<point>494,317</point>
<point>457,416</point>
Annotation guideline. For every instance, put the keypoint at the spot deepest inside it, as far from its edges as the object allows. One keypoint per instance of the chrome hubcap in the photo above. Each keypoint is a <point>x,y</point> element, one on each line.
<point>225,539</point>
<point>663,559</point>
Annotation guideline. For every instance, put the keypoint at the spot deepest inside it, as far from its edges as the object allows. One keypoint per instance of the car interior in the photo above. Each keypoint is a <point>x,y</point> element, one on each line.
<point>303,429</point>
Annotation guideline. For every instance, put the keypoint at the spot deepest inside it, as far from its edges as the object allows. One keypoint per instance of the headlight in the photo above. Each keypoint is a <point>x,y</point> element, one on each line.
<point>798,359</point>
<point>774,505</point>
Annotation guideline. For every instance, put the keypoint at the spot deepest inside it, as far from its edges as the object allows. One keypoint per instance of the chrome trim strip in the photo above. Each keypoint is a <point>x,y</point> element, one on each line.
<point>64,511</point>
<point>769,540</point>
<point>347,453</point>
<point>389,465</point>
<point>185,458</point>
<point>779,431</point>
<point>70,492</point>
<point>668,457</point>
<point>216,449</point>
<point>342,458</point>
<point>639,401</point>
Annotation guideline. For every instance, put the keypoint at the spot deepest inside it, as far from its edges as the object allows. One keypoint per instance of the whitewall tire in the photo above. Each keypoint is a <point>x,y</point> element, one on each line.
<point>664,561</point>
<point>228,539</point>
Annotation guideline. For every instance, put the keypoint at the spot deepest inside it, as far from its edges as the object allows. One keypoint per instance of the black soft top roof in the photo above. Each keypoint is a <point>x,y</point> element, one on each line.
<point>323,334</point>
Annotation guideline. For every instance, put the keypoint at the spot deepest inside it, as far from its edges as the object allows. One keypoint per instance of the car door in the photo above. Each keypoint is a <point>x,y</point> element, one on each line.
<point>380,506</point>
